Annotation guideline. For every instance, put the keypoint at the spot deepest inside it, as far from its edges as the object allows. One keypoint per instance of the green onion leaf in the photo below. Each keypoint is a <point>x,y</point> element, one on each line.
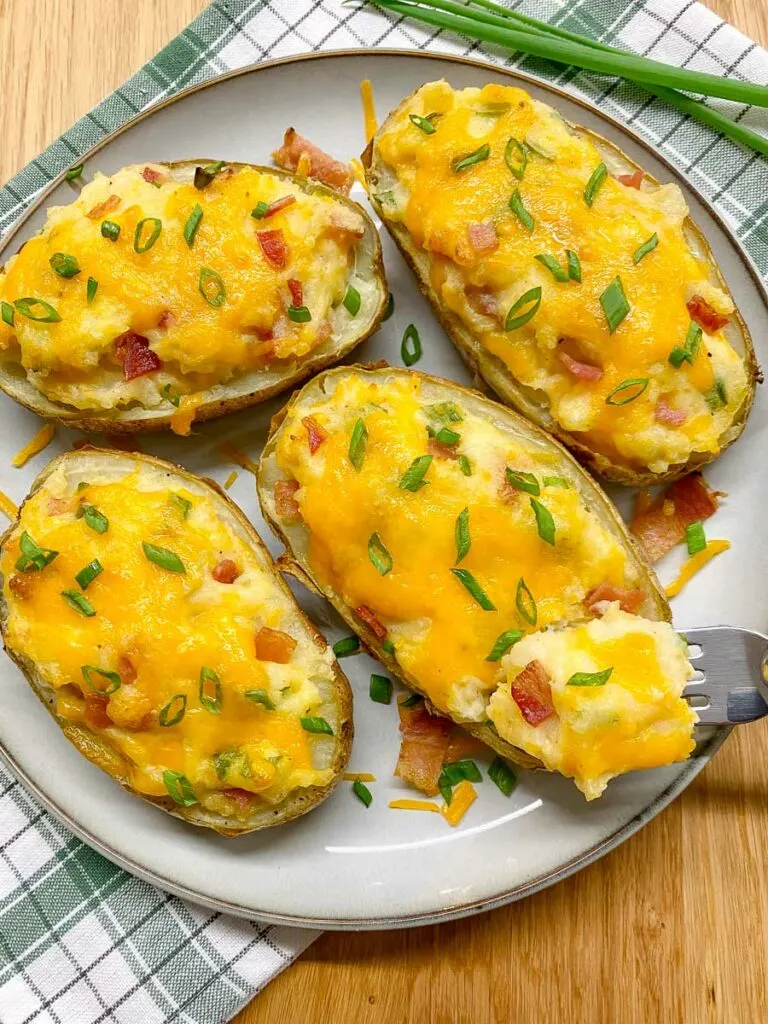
<point>172,394</point>
<point>64,265</point>
<point>545,524</point>
<point>502,775</point>
<point>523,481</point>
<point>113,679</point>
<point>205,175</point>
<point>456,771</point>
<point>351,301</point>
<point>410,347</point>
<point>614,303</point>
<point>504,642</point>
<point>516,158</point>
<point>470,584</point>
<point>260,210</point>
<point>552,266</point>
<point>299,314</point>
<point>93,518</point>
<point>362,792</point>
<point>26,306</point>
<point>590,678</point>
<point>627,391</point>
<point>412,701</point>
<point>413,478</point>
<point>180,788</point>
<point>388,646</point>
<point>81,604</point>
<point>74,172</point>
<point>379,556</point>
<point>695,537</point>
<point>444,412</point>
<point>90,290</point>
<point>173,712</point>
<point>163,557</point>
<point>423,123</point>
<point>519,210</point>
<point>645,248</point>
<point>346,646</point>
<point>357,444</point>
<point>465,465</point>
<point>528,303</point>
<point>596,180</point>
<point>463,539</point>
<point>144,246</point>
<point>110,230</point>
<point>193,223</point>
<point>390,308</point>
<point>444,785</point>
<point>6,311</point>
<point>182,504</point>
<point>209,681</point>
<point>215,295</point>
<point>33,558</point>
<point>717,398</point>
<point>526,603</point>
<point>446,436</point>
<point>555,481</point>
<point>313,724</point>
<point>259,696</point>
<point>380,689</point>
<point>689,350</point>
<point>574,265</point>
<point>88,574</point>
<point>472,158</point>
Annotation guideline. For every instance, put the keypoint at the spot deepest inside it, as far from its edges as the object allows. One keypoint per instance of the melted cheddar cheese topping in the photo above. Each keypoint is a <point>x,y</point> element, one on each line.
<point>155,630</point>
<point>480,257</point>
<point>159,294</point>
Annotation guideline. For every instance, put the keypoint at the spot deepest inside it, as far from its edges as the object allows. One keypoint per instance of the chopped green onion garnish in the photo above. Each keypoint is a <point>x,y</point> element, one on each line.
<point>555,481</point>
<point>346,646</point>
<point>193,223</point>
<point>627,391</point>
<point>156,227</point>
<point>614,303</point>
<point>645,248</point>
<point>412,701</point>
<point>492,109</point>
<point>313,724</point>
<point>163,557</point>
<point>388,646</point>
<point>209,681</point>
<point>470,584</point>
<point>472,158</point>
<point>205,175</point>
<point>455,771</point>
<point>525,602</point>
<point>379,556</point>
<point>180,788</point>
<point>695,537</point>
<point>6,311</point>
<point>380,689</point>
<point>502,775</point>
<point>465,465</point>
<point>216,295</point>
<point>33,557</point>
<point>523,481</point>
<point>545,524</point>
<point>93,518</point>
<point>423,123</point>
<point>717,398</point>
<point>110,230</point>
<point>112,678</point>
<point>173,712</point>
<point>390,308</point>
<point>351,301</point>
<point>552,266</point>
<point>688,351</point>
<point>504,642</point>
<point>413,478</point>
<point>463,539</point>
<point>519,210</point>
<point>81,604</point>
<point>524,309</point>
<point>590,678</point>
<point>74,172</point>
<point>299,314</point>
<point>25,307</point>
<point>172,394</point>
<point>444,785</point>
<point>88,574</point>
<point>447,436</point>
<point>362,792</point>
<point>410,347</point>
<point>597,178</point>
<point>574,265</point>
<point>64,265</point>
<point>516,158</point>
<point>357,444</point>
<point>182,504</point>
<point>90,290</point>
<point>259,696</point>
<point>260,210</point>
<point>444,412</point>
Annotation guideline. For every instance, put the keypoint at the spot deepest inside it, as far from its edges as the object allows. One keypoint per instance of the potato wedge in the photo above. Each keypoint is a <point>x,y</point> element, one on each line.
<point>147,615</point>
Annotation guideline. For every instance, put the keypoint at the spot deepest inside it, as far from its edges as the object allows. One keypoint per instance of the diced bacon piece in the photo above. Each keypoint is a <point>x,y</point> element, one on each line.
<point>705,315</point>
<point>347,222</point>
<point>508,493</point>
<point>226,571</point>
<point>462,745</point>
<point>286,505</point>
<point>96,711</point>
<point>483,237</point>
<point>664,413</point>
<point>661,525</point>
<point>321,166</point>
<point>126,670</point>
<point>152,176</point>
<point>482,300</point>
<point>274,645</point>
<point>315,433</point>
<point>279,205</point>
<point>440,450</point>
<point>297,292</point>
<point>102,209</point>
<point>165,320</point>
<point>57,506</point>
<point>274,247</point>
<point>364,612</point>
<point>598,599</point>
<point>21,585</point>
<point>136,356</point>
<point>633,180</point>
<point>582,371</point>
<point>532,693</point>
<point>242,799</point>
<point>125,442</point>
<point>423,747</point>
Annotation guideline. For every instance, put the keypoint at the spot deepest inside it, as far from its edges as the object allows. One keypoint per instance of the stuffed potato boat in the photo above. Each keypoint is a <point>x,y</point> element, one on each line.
<point>572,282</point>
<point>168,293</point>
<point>147,615</point>
<point>484,568</point>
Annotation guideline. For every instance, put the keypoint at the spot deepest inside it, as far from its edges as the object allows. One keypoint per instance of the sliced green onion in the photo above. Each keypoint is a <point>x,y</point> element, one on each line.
<point>25,307</point>
<point>110,230</point>
<point>299,314</point>
<point>180,788</point>
<point>502,775</point>
<point>64,265</point>
<point>472,158</point>
<point>423,123</point>
<point>552,266</point>
<point>351,301</point>
<point>379,556</point>
<point>390,308</point>
<point>384,197</point>
<point>614,303</point>
<point>208,277</point>
<point>6,311</point>
<point>93,518</point>
<point>410,347</point>
<point>173,712</point>
<point>314,724</point>
<point>380,689</point>
<point>88,574</point>
<point>463,538</point>
<point>445,787</point>
<point>645,248</point>
<point>260,210</point>
<point>595,182</point>
<point>193,223</point>
<point>413,478</point>
<point>526,603</point>
<point>447,436</point>
<point>504,642</point>
<point>516,158</point>
<point>114,680</point>
<point>470,584</point>
<point>357,444</point>
<point>545,524</point>
<point>209,678</point>
<point>529,302</point>
<point>519,210</point>
<point>456,771</point>
<point>388,646</point>
<point>157,227</point>
<point>172,394</point>
<point>163,557</point>
<point>465,465</point>
<point>590,678</point>
<point>259,696</point>
<point>362,792</point>
<point>523,481</point>
<point>695,537</point>
<point>91,289</point>
<point>555,481</point>
<point>81,604</point>
<point>444,412</point>
<point>205,175</point>
<point>33,558</point>
<point>74,172</point>
<point>492,109</point>
<point>182,504</point>
<point>574,265</point>
<point>717,398</point>
<point>412,701</point>
<point>346,646</point>
<point>627,391</point>
<point>689,350</point>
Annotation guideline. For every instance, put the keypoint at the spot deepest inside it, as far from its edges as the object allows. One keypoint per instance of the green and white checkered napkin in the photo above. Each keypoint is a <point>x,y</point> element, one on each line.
<point>82,942</point>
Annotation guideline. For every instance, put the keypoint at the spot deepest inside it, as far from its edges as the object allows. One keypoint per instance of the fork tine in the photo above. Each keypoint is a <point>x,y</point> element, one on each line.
<point>729,686</point>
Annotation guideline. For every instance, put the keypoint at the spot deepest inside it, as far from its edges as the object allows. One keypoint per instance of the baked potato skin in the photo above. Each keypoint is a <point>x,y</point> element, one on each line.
<point>296,564</point>
<point>498,377</point>
<point>219,400</point>
<point>99,752</point>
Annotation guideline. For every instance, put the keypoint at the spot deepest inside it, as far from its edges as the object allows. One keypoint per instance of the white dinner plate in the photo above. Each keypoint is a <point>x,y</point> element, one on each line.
<point>343,866</point>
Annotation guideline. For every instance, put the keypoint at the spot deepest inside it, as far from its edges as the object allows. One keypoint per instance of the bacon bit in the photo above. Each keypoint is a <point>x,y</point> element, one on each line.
<point>463,797</point>
<point>41,440</point>
<point>598,599</point>
<point>633,180</point>
<point>242,799</point>
<point>662,525</point>
<point>297,292</point>
<point>582,371</point>
<point>126,670</point>
<point>286,505</point>
<point>440,450</point>
<point>315,433</point>
<point>238,457</point>
<point>664,413</point>
<point>96,711</point>
<point>705,315</point>
<point>347,222</point>
<point>482,300</point>
<point>321,166</point>
<point>123,442</point>
<point>532,693</point>
<point>364,612</point>
<point>152,176</point>
<point>462,745</point>
<point>9,508</point>
<point>422,748</point>
<point>21,586</point>
<point>483,237</point>
<point>136,356</point>
<point>274,247</point>
<point>274,645</point>
<point>279,205</point>
<point>226,571</point>
<point>109,204</point>
<point>507,493</point>
<point>57,506</point>
<point>165,320</point>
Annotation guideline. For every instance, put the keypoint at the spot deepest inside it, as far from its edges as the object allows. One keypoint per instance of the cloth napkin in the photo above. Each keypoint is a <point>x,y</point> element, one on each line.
<point>81,941</point>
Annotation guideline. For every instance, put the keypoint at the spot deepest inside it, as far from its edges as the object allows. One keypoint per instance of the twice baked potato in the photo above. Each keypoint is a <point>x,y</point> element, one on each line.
<point>168,293</point>
<point>573,282</point>
<point>148,617</point>
<point>475,558</point>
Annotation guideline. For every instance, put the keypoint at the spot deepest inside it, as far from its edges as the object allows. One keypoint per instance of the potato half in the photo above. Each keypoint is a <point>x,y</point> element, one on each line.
<point>147,615</point>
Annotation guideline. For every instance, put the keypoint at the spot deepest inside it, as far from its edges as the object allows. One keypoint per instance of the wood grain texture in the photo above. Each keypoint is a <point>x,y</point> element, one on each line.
<point>671,928</point>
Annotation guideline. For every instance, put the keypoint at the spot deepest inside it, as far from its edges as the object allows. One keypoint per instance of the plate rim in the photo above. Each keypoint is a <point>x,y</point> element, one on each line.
<point>692,767</point>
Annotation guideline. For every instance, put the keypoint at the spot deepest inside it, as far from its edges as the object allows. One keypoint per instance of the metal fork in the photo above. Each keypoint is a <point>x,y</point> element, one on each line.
<point>731,671</point>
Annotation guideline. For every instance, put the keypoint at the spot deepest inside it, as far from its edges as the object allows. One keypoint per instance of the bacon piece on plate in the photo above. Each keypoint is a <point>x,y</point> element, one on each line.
<point>461,745</point>
<point>423,747</point>
<point>165,320</point>
<point>286,505</point>
<point>297,292</point>
<point>274,645</point>
<point>364,612</point>
<point>532,693</point>
<point>483,237</point>
<point>21,585</point>
<point>274,247</point>
<point>279,205</point>
<point>242,799</point>
<point>58,506</point>
<point>582,371</point>
<point>440,450</point>
<point>96,711</point>
<point>482,300</point>
<point>322,167</point>
<point>662,524</point>
<point>152,176</point>
<point>633,180</point>
<point>666,414</point>
<point>102,209</point>
<point>315,433</point>
<point>705,315</point>
<point>226,571</point>
<point>137,357</point>
<point>601,596</point>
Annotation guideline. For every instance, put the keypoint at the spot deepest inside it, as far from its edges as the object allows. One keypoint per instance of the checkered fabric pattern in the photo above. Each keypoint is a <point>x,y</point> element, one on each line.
<point>82,942</point>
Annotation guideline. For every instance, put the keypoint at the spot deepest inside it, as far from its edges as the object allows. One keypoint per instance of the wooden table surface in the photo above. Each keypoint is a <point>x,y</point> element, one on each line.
<point>671,927</point>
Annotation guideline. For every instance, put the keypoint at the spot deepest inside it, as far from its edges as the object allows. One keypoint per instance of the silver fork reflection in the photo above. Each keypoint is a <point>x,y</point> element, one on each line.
<point>731,668</point>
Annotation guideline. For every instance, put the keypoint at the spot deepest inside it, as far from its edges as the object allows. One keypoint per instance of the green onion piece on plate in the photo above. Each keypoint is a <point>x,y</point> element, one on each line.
<point>362,792</point>
<point>555,481</point>
<point>627,391</point>
<point>388,646</point>
<point>113,679</point>
<point>525,602</point>
<point>504,642</point>
<point>64,265</point>
<point>695,538</point>
<point>412,701</point>
<point>545,524</point>
<point>346,646</point>
<point>444,412</point>
<point>463,539</point>
<point>516,158</point>
<point>456,771</point>
<point>27,305</point>
<point>471,585</point>
<point>193,223</point>
<point>91,289</point>
<point>648,246</point>
<point>380,689</point>
<point>110,230</point>
<point>88,574</point>
<point>471,159</point>
<point>552,265</point>
<point>80,604</point>
<point>357,444</point>
<point>413,478</point>
<point>595,182</point>
<point>310,723</point>
<point>447,436</point>
<point>524,309</point>
<point>351,301</point>
<point>574,265</point>
<point>259,696</point>
<point>33,558</point>
<point>502,775</point>
<point>523,481</point>
<point>173,712</point>
<point>299,314</point>
<point>410,347</point>
<point>445,787</point>
<point>614,303</point>
<point>516,206</point>
<point>74,172</point>
<point>378,554</point>
<point>209,690</point>
<point>590,678</point>
<point>180,788</point>
<point>211,287</point>
<point>163,557</point>
<point>143,241</point>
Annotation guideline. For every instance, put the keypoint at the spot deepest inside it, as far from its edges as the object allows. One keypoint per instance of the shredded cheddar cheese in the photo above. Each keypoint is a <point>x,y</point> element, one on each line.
<point>369,109</point>
<point>244,461</point>
<point>304,165</point>
<point>464,795</point>
<point>230,479</point>
<point>695,564</point>
<point>414,805</point>
<point>359,171</point>
<point>184,417</point>
<point>358,777</point>
<point>41,440</point>
<point>8,507</point>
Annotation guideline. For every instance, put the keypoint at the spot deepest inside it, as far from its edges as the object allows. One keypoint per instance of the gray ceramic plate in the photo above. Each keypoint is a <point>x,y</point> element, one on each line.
<point>344,866</point>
